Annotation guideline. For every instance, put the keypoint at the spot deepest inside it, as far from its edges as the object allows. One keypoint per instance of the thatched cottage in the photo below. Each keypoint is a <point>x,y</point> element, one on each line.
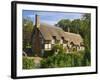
<point>45,36</point>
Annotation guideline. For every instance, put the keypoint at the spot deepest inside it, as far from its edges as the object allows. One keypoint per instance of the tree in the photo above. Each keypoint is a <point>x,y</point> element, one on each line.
<point>64,24</point>
<point>27,31</point>
<point>75,26</point>
<point>85,32</point>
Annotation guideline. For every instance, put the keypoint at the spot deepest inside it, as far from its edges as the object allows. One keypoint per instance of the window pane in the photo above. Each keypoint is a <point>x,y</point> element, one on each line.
<point>46,46</point>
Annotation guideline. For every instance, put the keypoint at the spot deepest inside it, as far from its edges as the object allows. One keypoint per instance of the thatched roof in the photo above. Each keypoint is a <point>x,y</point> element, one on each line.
<point>48,31</point>
<point>75,38</point>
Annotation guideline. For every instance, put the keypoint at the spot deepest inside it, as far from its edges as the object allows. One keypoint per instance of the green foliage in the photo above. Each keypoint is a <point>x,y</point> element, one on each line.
<point>58,61</point>
<point>26,45</point>
<point>27,25</point>
<point>27,32</point>
<point>58,48</point>
<point>64,24</point>
<point>85,31</point>
<point>86,58</point>
<point>52,52</point>
<point>28,63</point>
<point>48,53</point>
<point>65,60</point>
<point>75,26</point>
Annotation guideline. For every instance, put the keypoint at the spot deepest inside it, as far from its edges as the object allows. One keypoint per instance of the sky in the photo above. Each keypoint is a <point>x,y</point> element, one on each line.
<point>50,17</point>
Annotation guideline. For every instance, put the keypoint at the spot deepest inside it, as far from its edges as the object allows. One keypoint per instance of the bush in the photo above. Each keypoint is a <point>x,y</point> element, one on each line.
<point>58,48</point>
<point>28,63</point>
<point>64,60</point>
<point>87,58</point>
<point>48,53</point>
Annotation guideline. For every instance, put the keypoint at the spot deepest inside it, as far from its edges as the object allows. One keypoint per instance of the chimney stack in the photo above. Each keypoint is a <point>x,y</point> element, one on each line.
<point>37,21</point>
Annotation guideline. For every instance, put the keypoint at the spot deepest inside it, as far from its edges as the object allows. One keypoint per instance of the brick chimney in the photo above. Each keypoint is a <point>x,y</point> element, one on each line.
<point>37,21</point>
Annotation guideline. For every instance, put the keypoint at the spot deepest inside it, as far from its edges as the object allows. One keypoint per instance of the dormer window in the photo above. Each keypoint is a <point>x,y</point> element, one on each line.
<point>55,39</point>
